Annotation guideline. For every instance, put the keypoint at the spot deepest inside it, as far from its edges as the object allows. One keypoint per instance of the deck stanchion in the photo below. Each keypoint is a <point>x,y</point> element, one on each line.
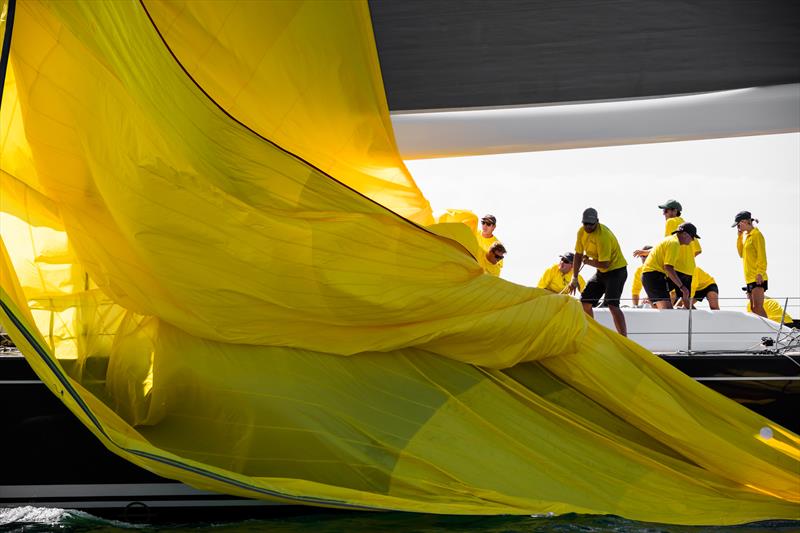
<point>689,348</point>
<point>780,324</point>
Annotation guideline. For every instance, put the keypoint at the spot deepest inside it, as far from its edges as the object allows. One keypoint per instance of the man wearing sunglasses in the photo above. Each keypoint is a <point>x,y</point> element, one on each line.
<point>487,238</point>
<point>493,259</point>
<point>556,278</point>
<point>596,246</point>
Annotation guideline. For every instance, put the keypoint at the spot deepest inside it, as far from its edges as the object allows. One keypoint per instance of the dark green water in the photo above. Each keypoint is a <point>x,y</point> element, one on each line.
<point>33,519</point>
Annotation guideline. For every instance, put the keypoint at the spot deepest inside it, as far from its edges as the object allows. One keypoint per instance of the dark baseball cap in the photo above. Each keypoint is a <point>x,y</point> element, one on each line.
<point>589,216</point>
<point>569,257</point>
<point>490,219</point>
<point>671,204</point>
<point>741,215</point>
<point>689,228</point>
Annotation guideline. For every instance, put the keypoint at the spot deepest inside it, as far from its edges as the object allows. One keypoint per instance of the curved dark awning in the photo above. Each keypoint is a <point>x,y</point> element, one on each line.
<point>438,54</point>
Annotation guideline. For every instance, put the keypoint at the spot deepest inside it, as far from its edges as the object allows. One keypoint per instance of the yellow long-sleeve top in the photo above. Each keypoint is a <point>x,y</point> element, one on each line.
<point>685,262</point>
<point>700,279</point>
<point>774,311</point>
<point>554,280</point>
<point>637,281</point>
<point>753,251</point>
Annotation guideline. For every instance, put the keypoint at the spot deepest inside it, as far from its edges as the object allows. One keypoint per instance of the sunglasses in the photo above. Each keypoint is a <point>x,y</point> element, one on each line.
<point>486,223</point>
<point>590,224</point>
<point>498,257</point>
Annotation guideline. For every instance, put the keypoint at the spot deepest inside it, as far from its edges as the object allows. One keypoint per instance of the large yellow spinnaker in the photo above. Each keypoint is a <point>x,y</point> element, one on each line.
<point>268,328</point>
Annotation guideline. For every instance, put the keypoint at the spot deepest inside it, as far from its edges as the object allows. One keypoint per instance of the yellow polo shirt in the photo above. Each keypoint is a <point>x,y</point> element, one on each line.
<point>685,263</point>
<point>753,252</point>
<point>700,279</point>
<point>774,311</point>
<point>601,245</point>
<point>554,280</point>
<point>666,252</point>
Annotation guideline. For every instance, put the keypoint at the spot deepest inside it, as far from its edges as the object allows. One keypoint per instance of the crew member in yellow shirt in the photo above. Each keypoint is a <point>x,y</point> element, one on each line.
<point>753,251</point>
<point>774,311</point>
<point>637,279</point>
<point>672,211</point>
<point>556,278</point>
<point>491,260</point>
<point>659,275</point>
<point>596,246</point>
<point>704,286</point>
<point>486,236</point>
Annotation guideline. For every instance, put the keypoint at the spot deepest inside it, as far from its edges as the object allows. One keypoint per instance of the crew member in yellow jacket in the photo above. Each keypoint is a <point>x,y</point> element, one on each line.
<point>596,246</point>
<point>556,278</point>
<point>659,276</point>
<point>753,251</point>
<point>636,289</point>
<point>774,311</point>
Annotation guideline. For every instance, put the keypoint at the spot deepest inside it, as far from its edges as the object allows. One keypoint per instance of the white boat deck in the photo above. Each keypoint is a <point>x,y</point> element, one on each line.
<point>668,331</point>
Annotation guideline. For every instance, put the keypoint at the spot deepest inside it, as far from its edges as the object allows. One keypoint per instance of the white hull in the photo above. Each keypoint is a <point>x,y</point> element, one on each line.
<point>668,331</point>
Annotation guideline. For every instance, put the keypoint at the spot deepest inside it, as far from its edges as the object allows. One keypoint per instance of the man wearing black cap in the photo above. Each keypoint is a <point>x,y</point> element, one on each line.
<point>596,246</point>
<point>659,276</point>
<point>556,278</point>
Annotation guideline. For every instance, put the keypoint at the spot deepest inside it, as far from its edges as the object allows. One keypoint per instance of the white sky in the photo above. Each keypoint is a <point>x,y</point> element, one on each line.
<point>538,198</point>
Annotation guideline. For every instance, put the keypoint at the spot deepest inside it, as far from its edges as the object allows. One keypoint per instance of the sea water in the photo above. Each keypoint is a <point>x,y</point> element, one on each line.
<point>38,519</point>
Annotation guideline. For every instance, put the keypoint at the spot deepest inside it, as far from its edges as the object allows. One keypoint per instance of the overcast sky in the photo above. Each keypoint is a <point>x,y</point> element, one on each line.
<point>538,198</point>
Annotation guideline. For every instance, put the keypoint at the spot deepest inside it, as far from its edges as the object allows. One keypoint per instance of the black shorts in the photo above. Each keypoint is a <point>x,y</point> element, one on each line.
<point>686,279</point>
<point>609,284</point>
<point>764,285</point>
<point>657,286</point>
<point>702,293</point>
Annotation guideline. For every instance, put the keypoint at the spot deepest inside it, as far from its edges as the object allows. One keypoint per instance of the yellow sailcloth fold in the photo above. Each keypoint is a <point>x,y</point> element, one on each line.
<point>198,258</point>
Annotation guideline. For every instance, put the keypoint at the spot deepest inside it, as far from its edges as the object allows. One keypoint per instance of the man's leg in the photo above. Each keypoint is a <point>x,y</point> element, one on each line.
<point>615,282</point>
<point>713,300</point>
<point>663,304</point>
<point>619,320</point>
<point>591,294</point>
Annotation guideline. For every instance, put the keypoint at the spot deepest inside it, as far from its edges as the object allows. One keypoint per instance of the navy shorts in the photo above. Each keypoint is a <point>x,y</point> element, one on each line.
<point>702,293</point>
<point>751,286</point>
<point>609,284</point>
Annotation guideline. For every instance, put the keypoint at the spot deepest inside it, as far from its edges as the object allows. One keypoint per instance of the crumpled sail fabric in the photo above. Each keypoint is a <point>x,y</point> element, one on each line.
<point>218,309</point>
